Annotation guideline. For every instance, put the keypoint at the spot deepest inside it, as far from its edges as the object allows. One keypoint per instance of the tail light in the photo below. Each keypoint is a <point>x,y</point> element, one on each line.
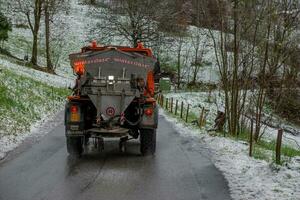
<point>75,115</point>
<point>149,111</point>
<point>150,84</point>
<point>74,109</point>
<point>79,68</point>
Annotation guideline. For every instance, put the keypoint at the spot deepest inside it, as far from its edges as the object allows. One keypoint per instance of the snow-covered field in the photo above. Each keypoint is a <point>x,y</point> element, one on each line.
<point>69,32</point>
<point>50,79</point>
<point>28,98</point>
<point>248,178</point>
<point>215,101</point>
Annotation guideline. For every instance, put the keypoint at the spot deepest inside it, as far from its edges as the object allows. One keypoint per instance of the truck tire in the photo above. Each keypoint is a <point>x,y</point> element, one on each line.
<point>74,146</point>
<point>148,141</point>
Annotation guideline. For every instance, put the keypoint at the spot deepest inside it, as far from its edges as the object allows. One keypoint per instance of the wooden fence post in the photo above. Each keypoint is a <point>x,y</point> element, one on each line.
<point>181,110</point>
<point>251,139</point>
<point>176,107</point>
<point>278,146</point>
<point>187,113</point>
<point>201,117</point>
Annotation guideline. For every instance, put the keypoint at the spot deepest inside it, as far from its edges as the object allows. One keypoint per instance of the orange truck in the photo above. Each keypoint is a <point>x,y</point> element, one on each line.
<point>113,98</point>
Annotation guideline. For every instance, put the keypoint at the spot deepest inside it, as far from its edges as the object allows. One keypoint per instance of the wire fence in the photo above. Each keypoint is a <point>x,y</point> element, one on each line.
<point>182,110</point>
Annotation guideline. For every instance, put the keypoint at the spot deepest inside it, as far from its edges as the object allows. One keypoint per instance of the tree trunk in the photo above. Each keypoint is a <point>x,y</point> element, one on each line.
<point>34,47</point>
<point>262,85</point>
<point>179,65</point>
<point>35,30</point>
<point>47,35</point>
<point>234,84</point>
<point>196,63</point>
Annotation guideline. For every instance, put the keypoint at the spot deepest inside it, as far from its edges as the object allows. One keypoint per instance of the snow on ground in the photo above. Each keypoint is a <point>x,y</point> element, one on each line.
<point>31,97</point>
<point>70,31</point>
<point>28,98</point>
<point>50,79</point>
<point>248,178</point>
<point>75,27</point>
<point>215,102</point>
<point>37,130</point>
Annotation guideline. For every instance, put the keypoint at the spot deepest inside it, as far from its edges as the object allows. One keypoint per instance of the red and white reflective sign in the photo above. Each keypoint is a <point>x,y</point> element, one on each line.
<point>110,111</point>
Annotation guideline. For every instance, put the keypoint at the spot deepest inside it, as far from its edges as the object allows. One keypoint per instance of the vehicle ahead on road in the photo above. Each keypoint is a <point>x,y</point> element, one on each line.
<point>113,98</point>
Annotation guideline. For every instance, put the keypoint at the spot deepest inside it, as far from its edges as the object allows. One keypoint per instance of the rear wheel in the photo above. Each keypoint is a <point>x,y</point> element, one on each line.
<point>74,146</point>
<point>148,141</point>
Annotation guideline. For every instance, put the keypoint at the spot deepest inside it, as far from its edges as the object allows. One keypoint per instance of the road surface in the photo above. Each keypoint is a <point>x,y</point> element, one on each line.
<point>177,172</point>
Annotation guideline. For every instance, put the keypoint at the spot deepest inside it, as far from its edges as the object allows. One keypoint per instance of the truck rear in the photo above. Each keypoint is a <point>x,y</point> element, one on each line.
<point>113,98</point>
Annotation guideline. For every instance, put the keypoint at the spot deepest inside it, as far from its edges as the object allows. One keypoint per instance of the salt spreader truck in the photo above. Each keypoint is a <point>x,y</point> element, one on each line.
<point>113,98</point>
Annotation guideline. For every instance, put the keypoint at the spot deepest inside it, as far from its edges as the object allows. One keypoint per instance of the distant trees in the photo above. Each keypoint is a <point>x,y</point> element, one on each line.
<point>5,27</point>
<point>207,13</point>
<point>35,11</point>
<point>130,20</point>
<point>276,42</point>
<point>251,53</point>
<point>199,48</point>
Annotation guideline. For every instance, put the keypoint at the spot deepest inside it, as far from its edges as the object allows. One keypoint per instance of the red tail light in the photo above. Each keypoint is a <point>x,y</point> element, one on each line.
<point>74,109</point>
<point>75,115</point>
<point>79,67</point>
<point>148,111</point>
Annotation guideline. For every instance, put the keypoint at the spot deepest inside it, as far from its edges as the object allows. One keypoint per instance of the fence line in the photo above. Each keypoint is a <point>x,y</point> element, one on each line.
<point>168,104</point>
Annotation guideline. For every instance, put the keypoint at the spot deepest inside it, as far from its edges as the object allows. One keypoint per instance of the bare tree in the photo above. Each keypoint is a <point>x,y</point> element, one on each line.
<point>199,49</point>
<point>47,6</point>
<point>128,20</point>
<point>32,10</point>
<point>51,7</point>
<point>274,50</point>
<point>235,59</point>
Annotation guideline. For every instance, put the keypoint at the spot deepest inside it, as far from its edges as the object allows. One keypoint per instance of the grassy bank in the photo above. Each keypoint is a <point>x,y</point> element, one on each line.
<point>264,149</point>
<point>24,101</point>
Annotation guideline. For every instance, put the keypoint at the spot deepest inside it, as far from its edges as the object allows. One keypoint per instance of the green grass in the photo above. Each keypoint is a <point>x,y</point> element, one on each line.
<point>261,154</point>
<point>5,101</point>
<point>263,150</point>
<point>24,101</point>
<point>191,116</point>
<point>285,150</point>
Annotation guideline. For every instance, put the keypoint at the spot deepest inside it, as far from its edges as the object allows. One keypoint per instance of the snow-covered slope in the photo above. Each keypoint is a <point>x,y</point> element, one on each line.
<point>214,102</point>
<point>248,178</point>
<point>69,32</point>
<point>27,98</point>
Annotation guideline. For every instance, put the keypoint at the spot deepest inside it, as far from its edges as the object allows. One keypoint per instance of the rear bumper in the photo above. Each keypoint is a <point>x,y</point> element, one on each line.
<point>69,133</point>
<point>111,133</point>
<point>99,132</point>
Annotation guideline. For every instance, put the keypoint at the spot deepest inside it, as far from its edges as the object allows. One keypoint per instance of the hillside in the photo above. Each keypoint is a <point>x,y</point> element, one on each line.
<point>25,101</point>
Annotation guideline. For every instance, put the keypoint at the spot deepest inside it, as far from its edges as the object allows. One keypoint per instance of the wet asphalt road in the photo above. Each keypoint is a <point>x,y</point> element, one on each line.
<point>177,172</point>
